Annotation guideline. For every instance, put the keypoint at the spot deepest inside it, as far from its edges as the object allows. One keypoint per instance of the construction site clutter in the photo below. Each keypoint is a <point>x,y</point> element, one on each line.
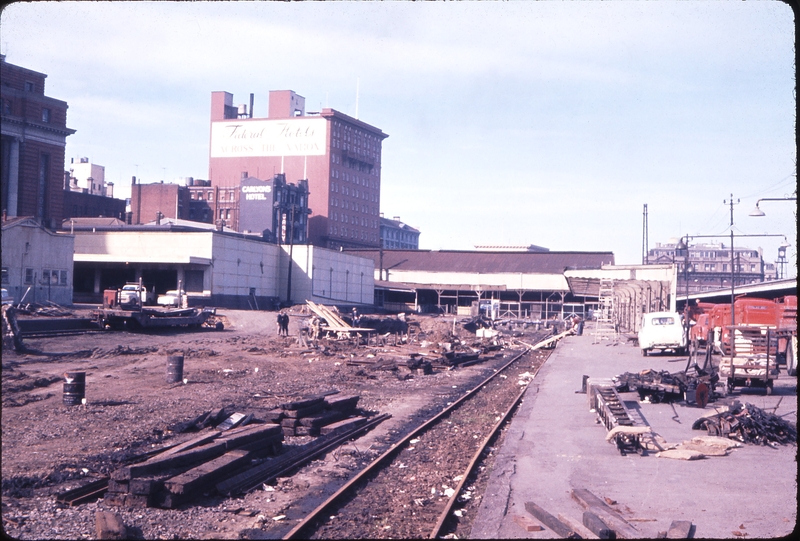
<point>749,424</point>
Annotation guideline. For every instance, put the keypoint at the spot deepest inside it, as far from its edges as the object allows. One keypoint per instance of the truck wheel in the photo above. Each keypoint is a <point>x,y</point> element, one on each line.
<point>219,326</point>
<point>644,353</point>
<point>791,362</point>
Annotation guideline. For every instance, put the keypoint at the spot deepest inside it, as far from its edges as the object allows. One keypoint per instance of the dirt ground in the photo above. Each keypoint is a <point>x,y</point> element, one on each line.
<point>48,447</point>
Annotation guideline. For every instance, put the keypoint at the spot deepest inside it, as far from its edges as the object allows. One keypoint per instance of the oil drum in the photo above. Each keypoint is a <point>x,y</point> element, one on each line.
<point>74,388</point>
<point>174,368</point>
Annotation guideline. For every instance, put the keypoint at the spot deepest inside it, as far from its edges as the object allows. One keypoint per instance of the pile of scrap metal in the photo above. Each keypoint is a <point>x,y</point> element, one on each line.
<point>661,386</point>
<point>748,424</point>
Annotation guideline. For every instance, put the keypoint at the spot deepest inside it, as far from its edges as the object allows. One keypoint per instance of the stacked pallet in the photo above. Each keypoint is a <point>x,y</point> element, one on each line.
<point>193,467</point>
<point>314,416</point>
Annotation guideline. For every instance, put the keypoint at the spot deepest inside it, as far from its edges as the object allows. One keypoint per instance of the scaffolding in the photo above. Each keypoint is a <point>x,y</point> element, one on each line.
<point>605,316</point>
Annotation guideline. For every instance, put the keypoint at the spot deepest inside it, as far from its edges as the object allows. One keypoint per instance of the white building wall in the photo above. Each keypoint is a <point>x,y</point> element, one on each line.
<point>241,264</point>
<point>327,276</point>
<point>28,246</point>
<point>83,170</point>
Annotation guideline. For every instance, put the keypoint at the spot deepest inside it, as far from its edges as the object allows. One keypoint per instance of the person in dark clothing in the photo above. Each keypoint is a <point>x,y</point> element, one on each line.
<point>285,324</point>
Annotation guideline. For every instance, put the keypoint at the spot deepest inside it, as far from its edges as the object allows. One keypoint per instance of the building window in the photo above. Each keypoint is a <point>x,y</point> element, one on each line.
<point>63,277</point>
<point>46,115</point>
<point>5,275</point>
<point>28,86</point>
<point>210,196</point>
<point>6,107</point>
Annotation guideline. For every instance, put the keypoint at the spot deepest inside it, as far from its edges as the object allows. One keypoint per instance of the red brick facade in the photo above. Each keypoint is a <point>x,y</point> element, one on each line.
<point>34,135</point>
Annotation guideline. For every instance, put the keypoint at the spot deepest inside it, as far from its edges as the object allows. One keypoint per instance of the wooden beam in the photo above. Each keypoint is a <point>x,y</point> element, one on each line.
<point>597,526</point>
<point>560,529</point>
<point>577,526</point>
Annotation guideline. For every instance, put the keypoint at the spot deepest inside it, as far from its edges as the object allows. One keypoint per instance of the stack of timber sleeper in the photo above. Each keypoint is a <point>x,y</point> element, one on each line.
<point>314,416</point>
<point>172,477</point>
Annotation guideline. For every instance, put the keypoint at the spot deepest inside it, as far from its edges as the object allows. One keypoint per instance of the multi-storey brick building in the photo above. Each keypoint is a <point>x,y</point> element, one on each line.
<point>34,135</point>
<point>339,155</point>
<point>708,266</point>
<point>155,201</point>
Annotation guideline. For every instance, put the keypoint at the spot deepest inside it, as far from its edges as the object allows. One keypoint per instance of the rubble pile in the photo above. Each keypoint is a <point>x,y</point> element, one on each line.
<point>749,424</point>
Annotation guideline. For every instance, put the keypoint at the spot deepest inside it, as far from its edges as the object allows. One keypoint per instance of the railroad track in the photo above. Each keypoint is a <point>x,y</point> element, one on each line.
<point>413,489</point>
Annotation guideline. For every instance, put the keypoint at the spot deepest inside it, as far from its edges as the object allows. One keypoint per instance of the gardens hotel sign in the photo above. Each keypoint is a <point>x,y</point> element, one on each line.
<point>248,138</point>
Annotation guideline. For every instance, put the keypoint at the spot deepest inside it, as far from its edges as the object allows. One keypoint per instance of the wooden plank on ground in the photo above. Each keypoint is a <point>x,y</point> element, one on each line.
<point>613,521</point>
<point>560,529</point>
<point>680,529</point>
<point>206,473</point>
<point>109,525</point>
<point>342,402</point>
<point>577,526</point>
<point>250,434</point>
<point>597,526</point>
<point>527,524</point>
<point>157,464</point>
<point>342,425</point>
<point>201,439</point>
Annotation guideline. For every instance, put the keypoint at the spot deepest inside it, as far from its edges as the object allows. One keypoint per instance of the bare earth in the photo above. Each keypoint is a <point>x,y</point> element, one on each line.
<point>48,448</point>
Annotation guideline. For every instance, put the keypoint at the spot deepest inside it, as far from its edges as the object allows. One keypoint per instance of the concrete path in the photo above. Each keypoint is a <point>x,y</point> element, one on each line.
<point>554,445</point>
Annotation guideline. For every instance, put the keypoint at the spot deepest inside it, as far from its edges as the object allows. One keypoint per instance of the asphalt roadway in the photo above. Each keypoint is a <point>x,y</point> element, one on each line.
<point>554,445</point>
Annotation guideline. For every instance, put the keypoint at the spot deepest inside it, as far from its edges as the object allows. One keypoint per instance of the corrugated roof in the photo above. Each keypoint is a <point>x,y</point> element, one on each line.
<point>486,262</point>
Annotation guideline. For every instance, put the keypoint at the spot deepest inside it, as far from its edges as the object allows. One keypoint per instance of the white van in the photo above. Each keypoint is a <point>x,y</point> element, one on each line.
<point>662,331</point>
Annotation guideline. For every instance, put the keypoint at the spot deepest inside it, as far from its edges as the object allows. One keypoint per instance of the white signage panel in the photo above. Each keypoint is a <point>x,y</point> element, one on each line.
<point>287,137</point>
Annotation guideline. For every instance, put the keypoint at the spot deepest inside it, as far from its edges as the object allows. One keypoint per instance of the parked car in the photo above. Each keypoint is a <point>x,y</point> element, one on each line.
<point>7,299</point>
<point>171,298</point>
<point>662,331</point>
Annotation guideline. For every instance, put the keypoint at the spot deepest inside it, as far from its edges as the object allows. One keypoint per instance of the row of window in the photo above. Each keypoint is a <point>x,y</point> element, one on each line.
<point>8,106</point>
<point>348,219</point>
<point>714,267</point>
<point>354,234</point>
<point>198,195</point>
<point>53,277</point>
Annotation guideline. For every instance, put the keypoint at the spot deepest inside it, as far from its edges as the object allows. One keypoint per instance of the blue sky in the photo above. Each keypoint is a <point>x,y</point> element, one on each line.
<point>547,123</point>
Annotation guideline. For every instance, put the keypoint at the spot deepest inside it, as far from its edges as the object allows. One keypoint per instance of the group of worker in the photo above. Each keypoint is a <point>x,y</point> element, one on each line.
<point>283,324</point>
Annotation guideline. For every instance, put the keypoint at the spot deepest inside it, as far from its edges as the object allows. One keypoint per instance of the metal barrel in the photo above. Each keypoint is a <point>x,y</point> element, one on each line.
<point>174,368</point>
<point>74,388</point>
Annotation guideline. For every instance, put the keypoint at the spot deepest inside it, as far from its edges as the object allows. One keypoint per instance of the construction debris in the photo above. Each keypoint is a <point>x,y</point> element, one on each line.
<point>749,424</point>
<point>661,386</point>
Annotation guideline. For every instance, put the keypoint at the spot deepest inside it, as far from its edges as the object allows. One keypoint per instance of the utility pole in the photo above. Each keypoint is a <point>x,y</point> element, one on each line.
<point>731,202</point>
<point>645,243</point>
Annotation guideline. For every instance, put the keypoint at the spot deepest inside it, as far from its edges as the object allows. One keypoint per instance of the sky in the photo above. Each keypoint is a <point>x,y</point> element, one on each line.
<point>510,123</point>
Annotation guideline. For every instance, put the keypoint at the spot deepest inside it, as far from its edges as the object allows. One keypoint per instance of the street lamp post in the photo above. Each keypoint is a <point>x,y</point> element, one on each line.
<point>757,210</point>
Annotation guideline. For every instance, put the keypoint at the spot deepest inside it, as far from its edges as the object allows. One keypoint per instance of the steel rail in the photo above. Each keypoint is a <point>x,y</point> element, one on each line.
<point>398,446</point>
<point>471,466</point>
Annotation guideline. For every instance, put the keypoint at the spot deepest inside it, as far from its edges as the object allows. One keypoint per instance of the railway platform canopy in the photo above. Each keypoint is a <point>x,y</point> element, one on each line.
<point>627,292</point>
<point>523,284</point>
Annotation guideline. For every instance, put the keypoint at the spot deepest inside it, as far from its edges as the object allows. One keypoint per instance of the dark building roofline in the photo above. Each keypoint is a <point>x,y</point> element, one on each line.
<point>483,261</point>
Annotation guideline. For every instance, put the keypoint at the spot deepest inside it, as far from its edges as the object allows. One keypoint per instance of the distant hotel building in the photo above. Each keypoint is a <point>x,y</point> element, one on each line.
<point>709,266</point>
<point>339,155</point>
<point>398,235</point>
<point>34,135</point>
<point>272,209</point>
